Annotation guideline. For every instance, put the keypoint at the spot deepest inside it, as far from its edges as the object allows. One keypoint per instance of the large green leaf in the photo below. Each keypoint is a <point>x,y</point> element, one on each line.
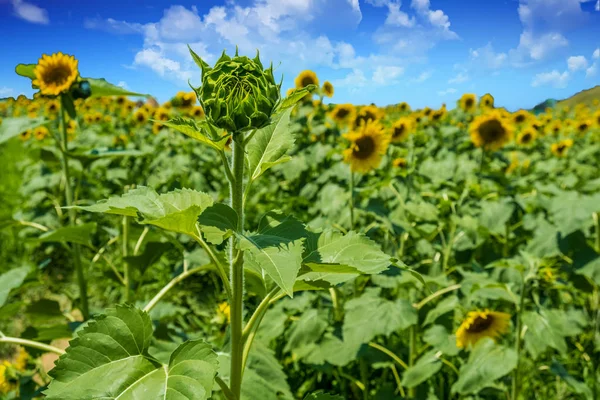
<point>190,128</point>
<point>295,97</point>
<point>109,360</point>
<point>487,363</point>
<point>277,249</point>
<point>549,327</point>
<point>11,127</point>
<point>80,234</point>
<point>151,254</point>
<point>577,386</point>
<point>439,338</point>
<point>218,222</point>
<point>175,211</point>
<point>305,333</point>
<point>495,215</point>
<point>443,307</point>
<point>11,280</point>
<point>425,367</point>
<point>371,315</point>
<point>26,70</point>
<point>100,87</point>
<point>269,145</point>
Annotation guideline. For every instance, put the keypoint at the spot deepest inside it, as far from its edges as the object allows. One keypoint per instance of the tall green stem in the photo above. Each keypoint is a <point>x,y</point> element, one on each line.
<point>125,239</point>
<point>515,379</point>
<point>73,216</point>
<point>597,225</point>
<point>412,355</point>
<point>351,200</point>
<point>237,267</point>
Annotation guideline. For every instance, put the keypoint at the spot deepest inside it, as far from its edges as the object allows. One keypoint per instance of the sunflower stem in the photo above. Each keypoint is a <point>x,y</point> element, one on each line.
<point>410,167</point>
<point>412,354</point>
<point>126,266</point>
<point>237,268</point>
<point>515,378</point>
<point>351,199</point>
<point>72,215</point>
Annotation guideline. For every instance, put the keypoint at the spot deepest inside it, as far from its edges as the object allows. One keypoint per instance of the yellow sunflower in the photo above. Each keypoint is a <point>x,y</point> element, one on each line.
<point>486,101</point>
<point>559,149</point>
<point>140,116</point>
<point>196,112</point>
<point>527,136</point>
<point>596,118</point>
<point>439,114</point>
<point>157,127</point>
<point>21,359</point>
<point>468,102</point>
<point>120,141</point>
<point>305,78</point>
<point>583,126</point>
<point>365,114</point>
<point>368,144</point>
<point>554,128</point>
<point>342,113</point>
<point>71,127</point>
<point>401,129</point>
<point>490,131</point>
<point>41,132</point>
<point>7,383</point>
<point>400,162</point>
<point>55,74</point>
<point>33,109</point>
<point>24,136</point>
<point>403,107</point>
<point>480,324</point>
<point>52,107</point>
<point>327,89</point>
<point>289,92</point>
<point>161,114</point>
<point>521,117</point>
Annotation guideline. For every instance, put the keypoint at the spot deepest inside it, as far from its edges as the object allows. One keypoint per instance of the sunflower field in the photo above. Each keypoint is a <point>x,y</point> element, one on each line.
<point>245,241</point>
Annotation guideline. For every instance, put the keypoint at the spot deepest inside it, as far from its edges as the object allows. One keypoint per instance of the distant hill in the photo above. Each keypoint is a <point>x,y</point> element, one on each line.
<point>585,96</point>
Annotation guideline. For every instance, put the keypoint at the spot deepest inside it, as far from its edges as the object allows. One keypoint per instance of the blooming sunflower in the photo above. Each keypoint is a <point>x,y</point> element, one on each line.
<point>559,149</point>
<point>196,112</point>
<point>401,129</point>
<point>305,78</point>
<point>21,359</point>
<point>6,384</point>
<point>327,89</point>
<point>555,127</point>
<point>33,109</point>
<point>490,131</point>
<point>403,107</point>
<point>480,324</point>
<point>55,74</point>
<point>596,118</point>
<point>426,111</point>
<point>439,114</point>
<point>365,114</point>
<point>583,126</point>
<point>368,144</point>
<point>527,136</point>
<point>71,127</point>
<point>24,136</point>
<point>467,102</point>
<point>41,132</point>
<point>157,127</point>
<point>342,113</point>
<point>161,114</point>
<point>140,116</point>
<point>52,107</point>
<point>400,162</point>
<point>521,117</point>
<point>486,101</point>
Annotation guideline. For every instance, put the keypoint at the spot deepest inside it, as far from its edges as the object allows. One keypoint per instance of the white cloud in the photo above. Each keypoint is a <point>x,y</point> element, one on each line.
<point>592,70</point>
<point>112,25</point>
<point>460,78</point>
<point>551,15</point>
<point>30,12</point>
<point>397,17</point>
<point>162,65</point>
<point>123,84</point>
<point>554,79</point>
<point>596,54</point>
<point>576,63</point>
<point>6,91</point>
<point>446,92</point>
<point>437,18</point>
<point>354,79</point>
<point>387,74</point>
<point>487,57</point>
<point>423,76</point>
<point>538,47</point>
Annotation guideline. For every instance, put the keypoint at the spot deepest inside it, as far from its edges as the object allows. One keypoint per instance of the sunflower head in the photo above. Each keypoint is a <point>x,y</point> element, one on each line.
<point>439,114</point>
<point>583,126</point>
<point>41,132</point>
<point>196,112</point>
<point>238,93</point>
<point>161,114</point>
<point>527,136</point>
<point>157,127</point>
<point>8,381</point>
<point>521,117</point>
<point>327,89</point>
<point>140,116</point>
<point>52,107</point>
<point>403,107</point>
<point>342,113</point>
<point>486,101</point>
<point>554,128</point>
<point>400,162</point>
<point>480,324</point>
<point>368,144</point>
<point>468,102</point>
<point>24,136</point>
<point>55,74</point>
<point>490,131</point>
<point>596,118</point>
<point>71,127</point>
<point>559,149</point>
<point>305,78</point>
<point>401,129</point>
<point>33,109</point>
<point>365,114</point>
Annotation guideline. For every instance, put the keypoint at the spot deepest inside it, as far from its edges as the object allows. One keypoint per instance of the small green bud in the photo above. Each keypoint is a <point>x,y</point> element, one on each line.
<point>237,94</point>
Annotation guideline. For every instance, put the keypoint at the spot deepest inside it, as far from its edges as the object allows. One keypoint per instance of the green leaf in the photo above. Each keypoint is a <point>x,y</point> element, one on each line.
<point>427,366</point>
<point>26,70</point>
<point>151,254</point>
<point>443,307</point>
<point>11,280</point>
<point>577,386</point>
<point>549,327</point>
<point>277,249</point>
<point>11,127</point>
<point>109,359</point>
<point>295,97</point>
<point>80,234</point>
<point>218,222</point>
<point>487,363</point>
<point>439,338</point>
<point>495,215</point>
<point>105,152</point>
<point>69,105</point>
<point>269,145</point>
<point>175,211</point>
<point>305,333</point>
<point>100,87</point>
<point>371,315</point>
<point>591,270</point>
<point>190,128</point>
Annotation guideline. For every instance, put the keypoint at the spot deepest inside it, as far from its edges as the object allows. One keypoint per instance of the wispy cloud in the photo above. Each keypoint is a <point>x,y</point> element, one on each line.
<point>30,12</point>
<point>554,79</point>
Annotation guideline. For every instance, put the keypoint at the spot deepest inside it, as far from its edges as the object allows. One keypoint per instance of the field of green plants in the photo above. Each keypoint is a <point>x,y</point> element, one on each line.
<point>246,241</point>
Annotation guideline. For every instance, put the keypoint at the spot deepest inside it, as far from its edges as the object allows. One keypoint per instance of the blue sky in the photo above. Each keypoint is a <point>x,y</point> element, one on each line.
<point>425,52</point>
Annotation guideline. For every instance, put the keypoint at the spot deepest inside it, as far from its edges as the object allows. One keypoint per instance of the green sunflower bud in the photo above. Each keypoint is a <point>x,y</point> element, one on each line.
<point>237,94</point>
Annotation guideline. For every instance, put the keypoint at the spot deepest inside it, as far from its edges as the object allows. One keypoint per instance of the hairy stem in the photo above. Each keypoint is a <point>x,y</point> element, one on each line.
<point>73,216</point>
<point>31,343</point>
